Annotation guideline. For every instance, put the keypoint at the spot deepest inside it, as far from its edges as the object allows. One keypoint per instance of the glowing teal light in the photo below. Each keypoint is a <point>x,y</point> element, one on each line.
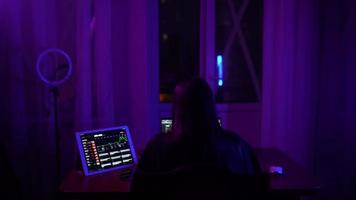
<point>220,66</point>
<point>219,59</point>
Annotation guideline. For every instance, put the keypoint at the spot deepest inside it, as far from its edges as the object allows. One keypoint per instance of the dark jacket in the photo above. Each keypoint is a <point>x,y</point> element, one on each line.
<point>227,151</point>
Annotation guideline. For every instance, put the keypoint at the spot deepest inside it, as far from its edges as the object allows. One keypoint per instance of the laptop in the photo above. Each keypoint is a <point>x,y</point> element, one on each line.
<point>166,124</point>
<point>106,150</point>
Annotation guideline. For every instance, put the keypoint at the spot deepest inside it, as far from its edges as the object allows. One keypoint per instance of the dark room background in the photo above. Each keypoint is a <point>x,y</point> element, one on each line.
<point>307,103</point>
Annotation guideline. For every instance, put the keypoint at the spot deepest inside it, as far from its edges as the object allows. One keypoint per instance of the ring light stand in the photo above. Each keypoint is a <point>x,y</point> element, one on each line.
<point>53,88</point>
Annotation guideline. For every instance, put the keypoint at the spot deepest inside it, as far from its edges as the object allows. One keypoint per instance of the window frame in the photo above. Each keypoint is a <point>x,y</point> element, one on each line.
<point>207,62</point>
<point>208,54</point>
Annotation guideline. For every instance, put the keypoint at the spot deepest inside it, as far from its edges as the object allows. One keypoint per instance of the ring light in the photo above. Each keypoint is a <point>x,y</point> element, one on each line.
<point>41,74</point>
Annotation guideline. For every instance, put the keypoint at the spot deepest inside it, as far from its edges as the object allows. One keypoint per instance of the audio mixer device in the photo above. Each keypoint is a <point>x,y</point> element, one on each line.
<point>106,150</point>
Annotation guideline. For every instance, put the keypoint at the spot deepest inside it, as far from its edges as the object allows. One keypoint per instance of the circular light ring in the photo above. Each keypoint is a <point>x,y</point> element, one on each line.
<point>43,78</point>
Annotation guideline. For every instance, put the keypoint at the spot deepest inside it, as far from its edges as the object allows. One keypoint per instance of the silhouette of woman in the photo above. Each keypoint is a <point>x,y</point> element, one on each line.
<point>197,137</point>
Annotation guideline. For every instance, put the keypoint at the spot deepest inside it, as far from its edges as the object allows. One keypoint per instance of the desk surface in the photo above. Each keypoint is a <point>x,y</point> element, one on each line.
<point>295,179</point>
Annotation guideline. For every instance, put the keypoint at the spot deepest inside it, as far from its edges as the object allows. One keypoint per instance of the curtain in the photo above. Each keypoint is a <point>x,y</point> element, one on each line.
<point>290,77</point>
<point>308,106</point>
<point>335,161</point>
<point>113,46</point>
<point>27,28</point>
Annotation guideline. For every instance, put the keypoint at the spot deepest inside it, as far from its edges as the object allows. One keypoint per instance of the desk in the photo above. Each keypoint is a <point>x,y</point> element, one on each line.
<point>295,182</point>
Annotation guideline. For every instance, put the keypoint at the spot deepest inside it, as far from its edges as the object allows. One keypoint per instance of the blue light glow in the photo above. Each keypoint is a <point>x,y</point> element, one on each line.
<point>219,59</point>
<point>220,66</point>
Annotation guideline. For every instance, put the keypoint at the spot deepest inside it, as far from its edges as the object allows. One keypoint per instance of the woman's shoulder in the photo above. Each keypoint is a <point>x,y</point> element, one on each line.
<point>230,136</point>
<point>240,154</point>
<point>234,139</point>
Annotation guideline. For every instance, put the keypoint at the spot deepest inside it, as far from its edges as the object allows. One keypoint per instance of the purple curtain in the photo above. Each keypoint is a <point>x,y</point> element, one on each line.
<point>26,115</point>
<point>335,144</point>
<point>290,77</point>
<point>113,46</point>
<point>309,86</point>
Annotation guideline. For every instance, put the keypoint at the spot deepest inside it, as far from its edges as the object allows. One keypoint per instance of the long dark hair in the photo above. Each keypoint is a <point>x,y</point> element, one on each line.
<point>194,112</point>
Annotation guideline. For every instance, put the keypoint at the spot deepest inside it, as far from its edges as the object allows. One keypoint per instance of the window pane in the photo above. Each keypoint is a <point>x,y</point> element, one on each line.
<point>178,43</point>
<point>239,50</point>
